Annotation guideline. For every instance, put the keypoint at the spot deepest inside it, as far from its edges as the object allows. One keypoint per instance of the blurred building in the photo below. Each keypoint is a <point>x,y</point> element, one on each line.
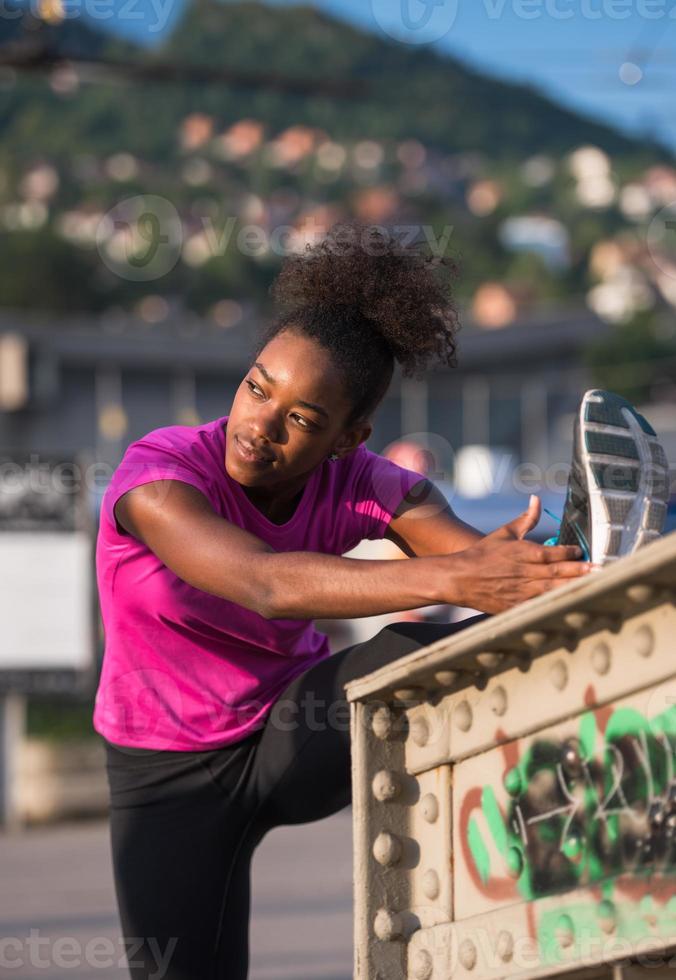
<point>92,386</point>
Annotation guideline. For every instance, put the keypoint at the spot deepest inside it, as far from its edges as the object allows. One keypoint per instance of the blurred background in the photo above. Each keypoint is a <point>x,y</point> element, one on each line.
<point>160,157</point>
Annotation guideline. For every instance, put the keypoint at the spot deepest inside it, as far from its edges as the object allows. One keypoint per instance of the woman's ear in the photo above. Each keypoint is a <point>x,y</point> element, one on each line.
<point>353,437</point>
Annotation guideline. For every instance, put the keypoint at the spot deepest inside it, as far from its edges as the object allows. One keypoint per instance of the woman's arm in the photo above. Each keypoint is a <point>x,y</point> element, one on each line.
<point>179,525</point>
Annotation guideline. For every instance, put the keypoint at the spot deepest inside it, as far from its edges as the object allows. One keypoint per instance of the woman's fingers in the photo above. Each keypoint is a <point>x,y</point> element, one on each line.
<point>560,569</point>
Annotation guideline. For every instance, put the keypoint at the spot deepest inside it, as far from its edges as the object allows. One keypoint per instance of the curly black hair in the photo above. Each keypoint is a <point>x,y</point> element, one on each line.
<point>369,300</point>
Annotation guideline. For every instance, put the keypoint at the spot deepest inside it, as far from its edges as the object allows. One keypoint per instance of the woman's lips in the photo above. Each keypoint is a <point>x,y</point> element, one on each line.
<point>248,456</point>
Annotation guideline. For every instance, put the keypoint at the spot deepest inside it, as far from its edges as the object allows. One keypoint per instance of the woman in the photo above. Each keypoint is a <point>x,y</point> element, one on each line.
<point>222,714</point>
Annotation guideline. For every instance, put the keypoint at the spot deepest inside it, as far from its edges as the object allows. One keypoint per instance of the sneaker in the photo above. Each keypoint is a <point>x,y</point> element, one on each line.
<point>619,480</point>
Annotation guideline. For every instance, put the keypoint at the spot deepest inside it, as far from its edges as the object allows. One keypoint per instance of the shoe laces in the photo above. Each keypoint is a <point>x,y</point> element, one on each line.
<point>554,540</point>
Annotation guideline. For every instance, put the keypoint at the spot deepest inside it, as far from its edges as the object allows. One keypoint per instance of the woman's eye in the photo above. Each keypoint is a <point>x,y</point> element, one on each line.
<point>252,386</point>
<point>301,420</point>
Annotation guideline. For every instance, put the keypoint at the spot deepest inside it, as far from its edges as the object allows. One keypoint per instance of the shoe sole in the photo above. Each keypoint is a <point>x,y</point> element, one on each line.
<point>627,476</point>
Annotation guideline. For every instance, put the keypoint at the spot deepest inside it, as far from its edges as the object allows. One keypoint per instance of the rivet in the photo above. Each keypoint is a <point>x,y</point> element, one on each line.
<point>513,782</point>
<point>446,678</point>
<point>498,700</point>
<point>535,639</point>
<point>489,659</point>
<point>600,658</point>
<point>422,965</point>
<point>640,593</point>
<point>430,884</point>
<point>409,694</point>
<point>387,925</point>
<point>382,722</point>
<point>644,640</point>
<point>430,807</point>
<point>385,785</point>
<point>514,862</point>
<point>386,849</point>
<point>558,675</point>
<point>606,913</point>
<point>505,946</point>
<point>419,731</point>
<point>565,932</point>
<point>463,716</point>
<point>467,954</point>
<point>577,620</point>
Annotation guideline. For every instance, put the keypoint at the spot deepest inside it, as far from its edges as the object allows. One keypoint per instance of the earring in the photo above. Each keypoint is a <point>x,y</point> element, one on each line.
<point>333,457</point>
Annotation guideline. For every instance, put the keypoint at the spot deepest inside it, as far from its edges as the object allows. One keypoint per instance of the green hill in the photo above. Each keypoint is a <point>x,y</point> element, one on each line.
<point>408,92</point>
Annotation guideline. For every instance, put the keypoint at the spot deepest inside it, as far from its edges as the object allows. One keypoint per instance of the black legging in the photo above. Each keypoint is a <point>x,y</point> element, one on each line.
<point>184,825</point>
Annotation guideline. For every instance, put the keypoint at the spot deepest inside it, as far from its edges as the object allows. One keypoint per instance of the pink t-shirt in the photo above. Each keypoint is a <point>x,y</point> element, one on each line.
<point>186,670</point>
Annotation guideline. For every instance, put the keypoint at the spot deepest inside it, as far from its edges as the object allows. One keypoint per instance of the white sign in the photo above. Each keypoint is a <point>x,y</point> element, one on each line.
<point>46,581</point>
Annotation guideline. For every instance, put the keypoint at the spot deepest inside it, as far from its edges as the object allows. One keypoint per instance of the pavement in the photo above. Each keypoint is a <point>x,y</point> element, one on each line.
<point>58,916</point>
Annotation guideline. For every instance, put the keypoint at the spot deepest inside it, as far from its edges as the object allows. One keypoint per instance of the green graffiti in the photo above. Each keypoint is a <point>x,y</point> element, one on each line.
<point>479,851</point>
<point>578,814</point>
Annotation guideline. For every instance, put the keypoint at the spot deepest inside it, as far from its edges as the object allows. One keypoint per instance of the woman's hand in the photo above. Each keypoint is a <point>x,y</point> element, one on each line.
<point>502,569</point>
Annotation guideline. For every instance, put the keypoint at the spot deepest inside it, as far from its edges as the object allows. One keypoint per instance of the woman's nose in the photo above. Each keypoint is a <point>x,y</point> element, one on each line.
<point>265,426</point>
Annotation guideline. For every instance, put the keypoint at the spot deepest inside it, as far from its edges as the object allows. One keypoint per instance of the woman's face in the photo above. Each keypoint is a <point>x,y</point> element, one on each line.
<point>291,408</point>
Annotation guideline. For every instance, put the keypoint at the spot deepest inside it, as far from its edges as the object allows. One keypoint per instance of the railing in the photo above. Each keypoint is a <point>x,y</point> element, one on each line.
<point>514,789</point>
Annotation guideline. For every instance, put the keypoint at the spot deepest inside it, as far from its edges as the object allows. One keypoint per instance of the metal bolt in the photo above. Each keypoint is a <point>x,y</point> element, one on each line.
<point>463,716</point>
<point>644,640</point>
<point>387,925</point>
<point>467,954</point>
<point>640,593</point>
<point>422,965</point>
<point>535,639</point>
<point>419,731</point>
<point>498,700</point>
<point>558,675</point>
<point>385,785</point>
<point>430,807</point>
<point>601,658</point>
<point>382,722</point>
<point>505,946</point>
<point>386,849</point>
<point>577,620</point>
<point>446,678</point>
<point>489,659</point>
<point>430,884</point>
<point>409,694</point>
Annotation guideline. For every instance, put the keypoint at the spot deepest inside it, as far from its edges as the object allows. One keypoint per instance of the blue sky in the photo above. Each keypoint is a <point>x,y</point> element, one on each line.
<point>612,59</point>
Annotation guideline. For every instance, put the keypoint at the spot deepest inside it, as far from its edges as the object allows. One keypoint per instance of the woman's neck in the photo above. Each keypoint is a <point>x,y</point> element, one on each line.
<point>278,509</point>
